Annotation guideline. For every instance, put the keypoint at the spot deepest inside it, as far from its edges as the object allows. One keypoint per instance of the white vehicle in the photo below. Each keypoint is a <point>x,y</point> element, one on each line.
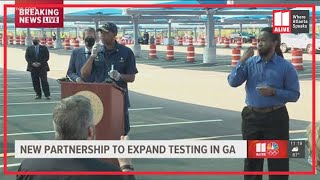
<point>303,41</point>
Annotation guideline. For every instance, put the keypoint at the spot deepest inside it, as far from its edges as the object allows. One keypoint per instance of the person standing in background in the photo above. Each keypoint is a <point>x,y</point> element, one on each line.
<point>37,57</point>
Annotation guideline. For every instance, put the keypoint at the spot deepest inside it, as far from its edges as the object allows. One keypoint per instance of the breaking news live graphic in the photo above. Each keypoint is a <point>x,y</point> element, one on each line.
<point>125,90</point>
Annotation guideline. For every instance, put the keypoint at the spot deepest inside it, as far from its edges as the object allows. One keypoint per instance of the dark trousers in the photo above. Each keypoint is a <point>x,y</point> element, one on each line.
<point>38,75</point>
<point>126,121</point>
<point>126,114</point>
<point>265,126</point>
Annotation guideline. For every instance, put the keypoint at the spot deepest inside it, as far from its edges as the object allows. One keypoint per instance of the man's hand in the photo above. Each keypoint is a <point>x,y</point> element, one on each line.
<point>114,74</point>
<point>36,64</point>
<point>79,80</point>
<point>95,49</point>
<point>124,161</point>
<point>266,91</point>
<point>247,54</point>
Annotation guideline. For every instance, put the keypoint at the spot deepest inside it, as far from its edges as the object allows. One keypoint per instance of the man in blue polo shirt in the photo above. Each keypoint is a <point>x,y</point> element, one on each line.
<point>271,82</point>
<point>112,62</point>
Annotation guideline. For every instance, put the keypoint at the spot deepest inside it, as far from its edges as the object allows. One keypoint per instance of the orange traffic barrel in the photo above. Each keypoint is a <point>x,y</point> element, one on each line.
<point>123,42</point>
<point>76,43</point>
<point>17,40</point>
<point>190,54</point>
<point>158,41</point>
<point>170,52</point>
<point>254,44</point>
<point>221,40</point>
<point>236,54</point>
<point>49,42</point>
<point>239,44</point>
<point>297,59</point>
<point>190,40</point>
<point>202,42</point>
<point>153,51</point>
<point>67,44</point>
<point>11,40</point>
<point>226,42</point>
<point>180,41</point>
<point>23,40</point>
<point>43,41</point>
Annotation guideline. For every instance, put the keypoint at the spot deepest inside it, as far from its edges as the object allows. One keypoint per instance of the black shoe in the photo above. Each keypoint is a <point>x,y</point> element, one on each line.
<point>37,97</point>
<point>48,97</point>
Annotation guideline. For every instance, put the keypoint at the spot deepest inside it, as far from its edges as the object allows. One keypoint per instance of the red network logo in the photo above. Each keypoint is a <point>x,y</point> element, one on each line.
<point>281,21</point>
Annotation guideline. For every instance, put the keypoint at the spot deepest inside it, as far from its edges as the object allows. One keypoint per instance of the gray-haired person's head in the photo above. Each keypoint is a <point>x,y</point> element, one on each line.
<point>73,119</point>
<point>317,145</point>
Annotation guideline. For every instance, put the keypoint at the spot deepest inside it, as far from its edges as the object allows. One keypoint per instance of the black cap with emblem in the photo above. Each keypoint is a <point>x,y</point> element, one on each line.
<point>109,27</point>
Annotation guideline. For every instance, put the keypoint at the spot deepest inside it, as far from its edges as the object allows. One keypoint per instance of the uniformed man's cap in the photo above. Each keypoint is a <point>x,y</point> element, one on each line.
<point>109,27</point>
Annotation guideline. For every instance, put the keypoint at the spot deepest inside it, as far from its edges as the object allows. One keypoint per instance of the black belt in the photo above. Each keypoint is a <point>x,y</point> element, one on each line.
<point>266,109</point>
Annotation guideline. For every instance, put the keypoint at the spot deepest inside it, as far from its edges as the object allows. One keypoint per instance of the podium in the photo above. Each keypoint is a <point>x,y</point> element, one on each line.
<point>111,126</point>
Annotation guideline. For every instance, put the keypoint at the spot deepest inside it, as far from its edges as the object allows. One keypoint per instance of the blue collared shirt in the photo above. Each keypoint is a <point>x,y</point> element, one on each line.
<point>276,73</point>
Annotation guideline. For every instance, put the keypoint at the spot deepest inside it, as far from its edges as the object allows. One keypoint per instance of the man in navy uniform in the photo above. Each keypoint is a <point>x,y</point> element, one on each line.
<point>80,56</point>
<point>112,61</point>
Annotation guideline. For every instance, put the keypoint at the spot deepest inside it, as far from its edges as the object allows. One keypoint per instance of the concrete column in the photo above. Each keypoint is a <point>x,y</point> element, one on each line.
<point>209,55</point>
<point>269,22</point>
<point>96,21</point>
<point>136,48</point>
<point>240,27</point>
<point>28,38</point>
<point>58,42</point>
<point>77,31</point>
<point>170,41</point>
<point>42,32</point>
<point>194,34</point>
<point>15,32</point>
<point>155,33</point>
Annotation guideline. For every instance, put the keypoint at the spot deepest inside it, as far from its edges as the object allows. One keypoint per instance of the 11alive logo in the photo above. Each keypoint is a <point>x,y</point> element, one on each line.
<point>290,21</point>
<point>267,149</point>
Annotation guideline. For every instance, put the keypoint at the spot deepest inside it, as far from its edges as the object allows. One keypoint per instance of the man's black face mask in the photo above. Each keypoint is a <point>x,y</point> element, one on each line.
<point>35,42</point>
<point>89,41</point>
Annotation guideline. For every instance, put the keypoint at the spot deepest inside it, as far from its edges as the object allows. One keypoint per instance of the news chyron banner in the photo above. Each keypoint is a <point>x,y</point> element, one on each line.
<point>28,16</point>
<point>160,149</point>
<point>131,149</point>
